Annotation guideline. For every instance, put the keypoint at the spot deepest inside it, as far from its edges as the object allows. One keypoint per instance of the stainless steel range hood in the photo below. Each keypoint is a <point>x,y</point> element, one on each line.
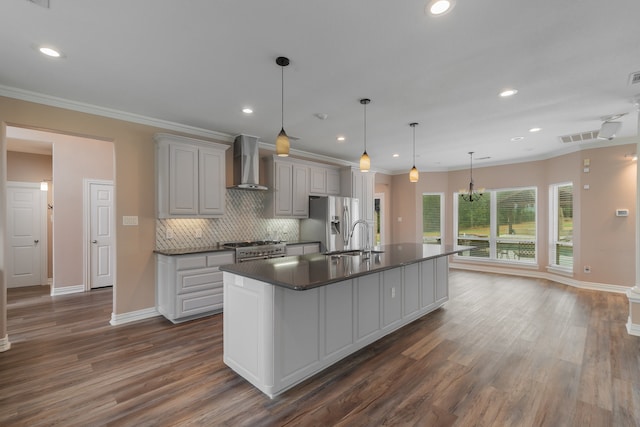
<point>246,163</point>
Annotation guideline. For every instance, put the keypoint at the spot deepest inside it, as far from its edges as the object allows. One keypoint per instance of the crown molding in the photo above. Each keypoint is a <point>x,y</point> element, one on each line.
<point>52,101</point>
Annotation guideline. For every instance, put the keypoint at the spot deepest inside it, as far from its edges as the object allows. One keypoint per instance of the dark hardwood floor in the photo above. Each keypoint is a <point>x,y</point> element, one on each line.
<point>504,351</point>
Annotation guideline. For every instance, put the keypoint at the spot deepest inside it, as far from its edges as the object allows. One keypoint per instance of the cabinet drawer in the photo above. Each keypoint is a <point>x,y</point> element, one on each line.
<point>198,280</point>
<point>191,261</point>
<point>198,302</point>
<point>216,260</point>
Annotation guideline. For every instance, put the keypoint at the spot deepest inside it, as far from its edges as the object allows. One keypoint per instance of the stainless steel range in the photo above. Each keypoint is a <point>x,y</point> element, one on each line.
<point>262,249</point>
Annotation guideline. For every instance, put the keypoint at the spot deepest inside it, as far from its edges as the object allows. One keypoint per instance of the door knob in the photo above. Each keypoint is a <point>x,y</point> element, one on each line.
<point>36,241</point>
<point>94,241</point>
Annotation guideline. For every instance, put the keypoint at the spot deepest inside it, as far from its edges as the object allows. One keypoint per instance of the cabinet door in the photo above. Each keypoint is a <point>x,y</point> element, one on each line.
<point>428,274</point>
<point>295,250</point>
<point>283,189</point>
<point>333,182</point>
<point>212,182</point>
<point>392,296</point>
<point>442,279</point>
<point>300,196</point>
<point>368,305</point>
<point>411,288</point>
<point>318,183</point>
<point>312,248</point>
<point>183,179</point>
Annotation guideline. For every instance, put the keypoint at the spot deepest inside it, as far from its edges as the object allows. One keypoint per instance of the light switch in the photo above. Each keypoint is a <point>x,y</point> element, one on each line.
<point>586,186</point>
<point>399,219</point>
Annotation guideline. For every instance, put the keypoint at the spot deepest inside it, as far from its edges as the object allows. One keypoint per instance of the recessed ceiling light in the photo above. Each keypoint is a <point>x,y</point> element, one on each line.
<point>535,129</point>
<point>517,138</point>
<point>49,51</point>
<point>247,110</point>
<point>396,155</point>
<point>508,92</point>
<point>440,7</point>
<point>341,138</point>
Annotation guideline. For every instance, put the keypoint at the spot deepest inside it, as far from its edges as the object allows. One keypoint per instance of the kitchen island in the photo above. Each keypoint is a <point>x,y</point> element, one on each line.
<point>286,319</point>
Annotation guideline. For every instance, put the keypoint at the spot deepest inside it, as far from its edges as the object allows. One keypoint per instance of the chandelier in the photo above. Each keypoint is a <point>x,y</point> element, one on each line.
<point>471,194</point>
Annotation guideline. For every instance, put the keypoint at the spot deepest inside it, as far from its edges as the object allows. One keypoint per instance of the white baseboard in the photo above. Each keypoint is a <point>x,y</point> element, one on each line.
<point>64,290</point>
<point>5,344</point>
<point>632,328</point>
<point>569,281</point>
<point>133,316</point>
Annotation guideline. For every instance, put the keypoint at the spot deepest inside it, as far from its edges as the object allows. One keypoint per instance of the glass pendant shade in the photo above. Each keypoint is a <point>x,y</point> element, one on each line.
<point>414,175</point>
<point>365,162</point>
<point>282,144</point>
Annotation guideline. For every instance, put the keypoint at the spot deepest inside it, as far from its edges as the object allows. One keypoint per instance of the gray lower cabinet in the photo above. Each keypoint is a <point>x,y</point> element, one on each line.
<point>190,286</point>
<point>276,337</point>
<point>303,249</point>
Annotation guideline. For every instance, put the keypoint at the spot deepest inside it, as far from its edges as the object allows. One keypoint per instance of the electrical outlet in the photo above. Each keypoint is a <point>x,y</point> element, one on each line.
<point>587,269</point>
<point>168,233</point>
<point>393,292</point>
<point>198,233</point>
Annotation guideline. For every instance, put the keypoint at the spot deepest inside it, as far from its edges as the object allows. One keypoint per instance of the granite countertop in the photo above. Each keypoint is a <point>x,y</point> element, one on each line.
<point>213,248</point>
<point>313,270</point>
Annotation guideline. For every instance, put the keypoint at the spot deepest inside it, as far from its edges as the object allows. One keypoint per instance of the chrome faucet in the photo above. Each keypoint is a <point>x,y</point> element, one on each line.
<point>367,246</point>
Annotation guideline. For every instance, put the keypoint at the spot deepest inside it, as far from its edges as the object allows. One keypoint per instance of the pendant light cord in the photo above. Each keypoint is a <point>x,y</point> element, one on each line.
<point>282,97</point>
<point>365,127</point>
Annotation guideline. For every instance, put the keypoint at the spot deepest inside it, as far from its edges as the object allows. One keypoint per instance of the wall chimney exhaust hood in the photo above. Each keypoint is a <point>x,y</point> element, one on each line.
<point>246,163</point>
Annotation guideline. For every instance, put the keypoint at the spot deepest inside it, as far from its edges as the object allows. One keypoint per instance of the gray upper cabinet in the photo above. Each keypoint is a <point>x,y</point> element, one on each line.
<point>324,180</point>
<point>288,183</point>
<point>190,177</point>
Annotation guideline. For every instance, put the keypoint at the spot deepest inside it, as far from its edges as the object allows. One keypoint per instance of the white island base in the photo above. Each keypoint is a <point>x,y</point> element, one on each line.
<point>277,337</point>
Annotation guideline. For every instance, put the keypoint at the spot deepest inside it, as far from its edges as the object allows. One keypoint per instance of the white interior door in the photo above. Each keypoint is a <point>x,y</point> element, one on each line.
<point>25,241</point>
<point>102,235</point>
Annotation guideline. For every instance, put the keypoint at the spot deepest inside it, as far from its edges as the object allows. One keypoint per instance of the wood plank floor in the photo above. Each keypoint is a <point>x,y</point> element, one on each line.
<point>504,351</point>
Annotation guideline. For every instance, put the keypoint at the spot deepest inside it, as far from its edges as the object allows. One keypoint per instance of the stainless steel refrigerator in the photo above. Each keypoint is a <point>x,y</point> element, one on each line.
<point>330,221</point>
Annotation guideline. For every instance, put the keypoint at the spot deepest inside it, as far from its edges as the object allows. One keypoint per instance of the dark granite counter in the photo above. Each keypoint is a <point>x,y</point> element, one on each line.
<point>313,270</point>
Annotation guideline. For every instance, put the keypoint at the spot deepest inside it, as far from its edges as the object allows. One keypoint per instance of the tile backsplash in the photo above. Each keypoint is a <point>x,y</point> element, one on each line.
<point>244,220</point>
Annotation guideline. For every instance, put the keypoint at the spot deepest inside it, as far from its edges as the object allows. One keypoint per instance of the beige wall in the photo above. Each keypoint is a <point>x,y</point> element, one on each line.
<point>74,160</point>
<point>608,242</point>
<point>134,189</point>
<point>602,241</point>
<point>29,167</point>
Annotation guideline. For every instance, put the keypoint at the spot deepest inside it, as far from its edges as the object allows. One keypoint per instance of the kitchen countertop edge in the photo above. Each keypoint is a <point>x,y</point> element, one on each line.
<point>245,269</point>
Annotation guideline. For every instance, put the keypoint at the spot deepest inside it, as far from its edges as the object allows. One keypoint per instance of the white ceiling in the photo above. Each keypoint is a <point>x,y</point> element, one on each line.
<point>199,62</point>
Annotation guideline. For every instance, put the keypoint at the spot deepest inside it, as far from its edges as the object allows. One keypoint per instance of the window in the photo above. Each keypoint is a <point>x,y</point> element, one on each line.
<point>432,220</point>
<point>561,220</point>
<point>502,225</point>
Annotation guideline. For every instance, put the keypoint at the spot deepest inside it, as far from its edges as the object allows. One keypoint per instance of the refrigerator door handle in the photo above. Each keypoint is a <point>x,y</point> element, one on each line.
<point>346,224</point>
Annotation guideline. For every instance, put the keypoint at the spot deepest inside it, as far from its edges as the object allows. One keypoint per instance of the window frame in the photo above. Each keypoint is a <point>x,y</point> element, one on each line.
<point>554,242</point>
<point>442,215</point>
<point>493,240</point>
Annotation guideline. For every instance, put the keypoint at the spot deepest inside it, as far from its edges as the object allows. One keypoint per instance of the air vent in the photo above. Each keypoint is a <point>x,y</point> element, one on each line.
<point>43,3</point>
<point>634,78</point>
<point>580,137</point>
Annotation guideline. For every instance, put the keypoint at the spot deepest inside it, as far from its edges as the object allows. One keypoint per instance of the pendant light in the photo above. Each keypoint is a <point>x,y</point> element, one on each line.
<point>414,175</point>
<point>471,195</point>
<point>365,161</point>
<point>282,142</point>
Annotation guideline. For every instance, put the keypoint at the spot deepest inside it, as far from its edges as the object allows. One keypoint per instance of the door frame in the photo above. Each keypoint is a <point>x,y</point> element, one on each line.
<point>44,265</point>
<point>86,230</point>
<point>380,196</point>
